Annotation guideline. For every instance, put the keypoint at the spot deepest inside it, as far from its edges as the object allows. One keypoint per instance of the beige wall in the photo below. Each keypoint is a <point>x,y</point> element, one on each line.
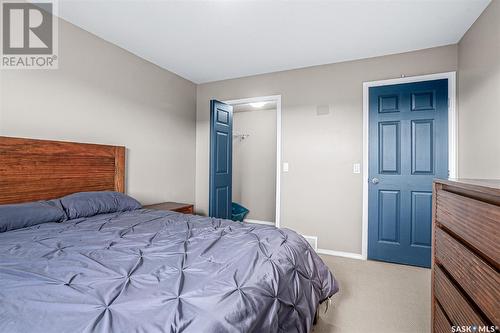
<point>104,94</point>
<point>254,163</point>
<point>479,97</point>
<point>320,194</point>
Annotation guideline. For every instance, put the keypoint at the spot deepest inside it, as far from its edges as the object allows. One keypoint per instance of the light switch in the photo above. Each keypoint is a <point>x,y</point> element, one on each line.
<point>356,168</point>
<point>285,167</point>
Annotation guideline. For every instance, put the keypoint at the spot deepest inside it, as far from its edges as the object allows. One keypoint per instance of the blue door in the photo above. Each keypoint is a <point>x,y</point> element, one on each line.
<point>221,159</point>
<point>408,148</point>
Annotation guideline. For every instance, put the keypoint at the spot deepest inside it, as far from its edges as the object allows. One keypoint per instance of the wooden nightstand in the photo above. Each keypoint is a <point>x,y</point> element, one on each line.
<point>173,206</point>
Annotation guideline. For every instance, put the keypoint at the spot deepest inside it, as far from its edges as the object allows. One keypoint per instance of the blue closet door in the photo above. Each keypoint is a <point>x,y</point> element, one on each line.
<point>408,148</point>
<point>221,159</point>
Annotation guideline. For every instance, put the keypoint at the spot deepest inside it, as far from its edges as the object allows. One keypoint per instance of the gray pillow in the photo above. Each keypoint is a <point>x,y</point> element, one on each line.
<point>24,215</point>
<point>86,204</point>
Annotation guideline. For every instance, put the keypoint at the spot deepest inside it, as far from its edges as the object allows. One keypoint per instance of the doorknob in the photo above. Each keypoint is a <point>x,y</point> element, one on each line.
<point>375,180</point>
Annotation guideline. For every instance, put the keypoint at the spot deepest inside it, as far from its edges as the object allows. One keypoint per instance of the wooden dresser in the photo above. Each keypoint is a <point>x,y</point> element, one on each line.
<point>466,255</point>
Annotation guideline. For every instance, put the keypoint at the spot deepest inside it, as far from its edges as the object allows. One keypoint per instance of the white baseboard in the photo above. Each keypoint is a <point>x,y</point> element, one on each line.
<point>258,222</point>
<point>341,254</point>
<point>315,238</point>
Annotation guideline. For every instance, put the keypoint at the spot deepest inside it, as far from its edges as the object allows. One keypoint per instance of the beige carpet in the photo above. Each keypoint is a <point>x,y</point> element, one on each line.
<point>377,297</point>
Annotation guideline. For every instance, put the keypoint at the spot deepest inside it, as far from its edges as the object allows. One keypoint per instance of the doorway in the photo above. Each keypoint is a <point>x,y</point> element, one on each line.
<point>409,140</point>
<point>253,158</point>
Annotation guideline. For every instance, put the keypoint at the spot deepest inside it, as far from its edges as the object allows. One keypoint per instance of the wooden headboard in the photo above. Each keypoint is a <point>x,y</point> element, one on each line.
<point>33,170</point>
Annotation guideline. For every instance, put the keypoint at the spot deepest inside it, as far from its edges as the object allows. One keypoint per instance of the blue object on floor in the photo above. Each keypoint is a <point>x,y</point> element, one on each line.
<point>238,212</point>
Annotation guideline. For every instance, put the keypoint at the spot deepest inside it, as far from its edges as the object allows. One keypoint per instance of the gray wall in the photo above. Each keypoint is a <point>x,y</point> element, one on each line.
<point>254,163</point>
<point>479,97</point>
<point>320,194</point>
<point>104,94</point>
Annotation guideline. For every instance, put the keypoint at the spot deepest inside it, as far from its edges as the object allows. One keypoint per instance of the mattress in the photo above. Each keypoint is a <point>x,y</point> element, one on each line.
<point>159,271</point>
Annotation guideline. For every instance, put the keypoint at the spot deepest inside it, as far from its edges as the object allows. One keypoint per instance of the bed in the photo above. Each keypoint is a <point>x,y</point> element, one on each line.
<point>141,270</point>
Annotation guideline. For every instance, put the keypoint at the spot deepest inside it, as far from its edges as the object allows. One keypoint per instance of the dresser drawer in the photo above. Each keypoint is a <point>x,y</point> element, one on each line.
<point>453,302</point>
<point>441,324</point>
<point>474,221</point>
<point>478,279</point>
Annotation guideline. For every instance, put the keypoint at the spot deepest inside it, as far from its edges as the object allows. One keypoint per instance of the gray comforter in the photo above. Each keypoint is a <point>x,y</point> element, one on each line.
<point>156,271</point>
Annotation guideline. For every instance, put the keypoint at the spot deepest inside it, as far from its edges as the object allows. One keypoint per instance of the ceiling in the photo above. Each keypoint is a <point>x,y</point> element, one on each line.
<point>207,41</point>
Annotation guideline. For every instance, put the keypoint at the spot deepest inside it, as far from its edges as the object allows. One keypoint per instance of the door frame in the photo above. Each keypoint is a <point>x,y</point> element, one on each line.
<point>452,135</point>
<point>277,99</point>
